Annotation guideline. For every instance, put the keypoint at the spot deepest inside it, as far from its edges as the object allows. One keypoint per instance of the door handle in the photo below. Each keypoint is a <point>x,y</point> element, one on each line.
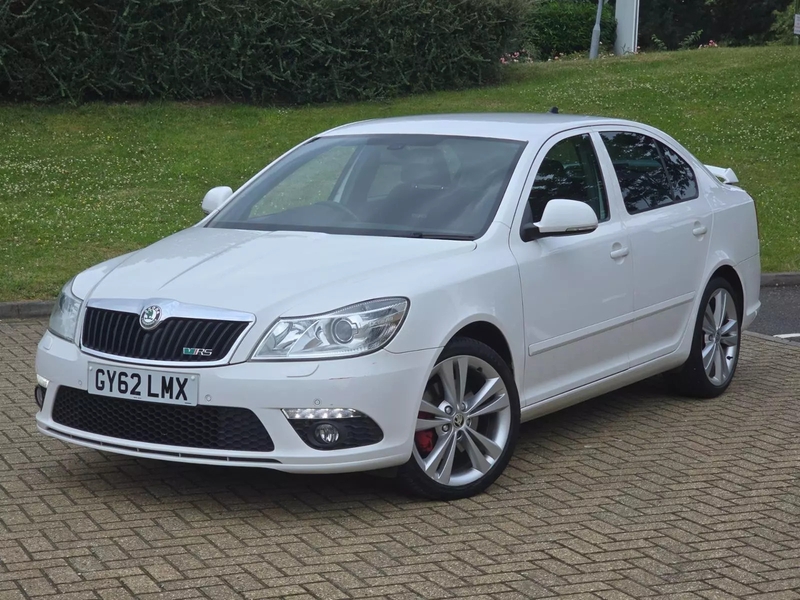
<point>699,230</point>
<point>619,253</point>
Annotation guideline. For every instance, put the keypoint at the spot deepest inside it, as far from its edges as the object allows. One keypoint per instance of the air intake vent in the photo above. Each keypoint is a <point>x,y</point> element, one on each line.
<point>210,427</point>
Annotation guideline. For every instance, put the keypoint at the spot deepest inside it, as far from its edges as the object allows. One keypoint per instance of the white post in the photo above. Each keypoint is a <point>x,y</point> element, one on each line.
<point>594,49</point>
<point>627,15</point>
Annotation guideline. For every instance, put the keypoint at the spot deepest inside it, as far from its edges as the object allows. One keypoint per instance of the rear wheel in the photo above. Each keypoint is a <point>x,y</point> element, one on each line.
<point>467,424</point>
<point>709,370</point>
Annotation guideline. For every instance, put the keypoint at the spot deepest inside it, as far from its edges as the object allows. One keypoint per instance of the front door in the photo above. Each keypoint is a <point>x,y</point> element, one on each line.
<point>577,290</point>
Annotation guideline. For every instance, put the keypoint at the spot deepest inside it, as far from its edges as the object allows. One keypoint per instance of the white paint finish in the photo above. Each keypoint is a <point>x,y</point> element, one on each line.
<point>215,197</point>
<point>571,287</point>
<point>627,15</point>
<point>668,265</point>
<point>581,315</point>
<point>562,216</point>
<point>787,336</point>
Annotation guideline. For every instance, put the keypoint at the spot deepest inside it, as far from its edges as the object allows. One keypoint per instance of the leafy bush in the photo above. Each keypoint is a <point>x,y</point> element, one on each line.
<point>553,28</point>
<point>733,22</point>
<point>253,50</point>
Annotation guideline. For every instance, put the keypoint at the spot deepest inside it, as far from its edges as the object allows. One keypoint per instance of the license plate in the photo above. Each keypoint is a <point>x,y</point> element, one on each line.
<point>142,384</point>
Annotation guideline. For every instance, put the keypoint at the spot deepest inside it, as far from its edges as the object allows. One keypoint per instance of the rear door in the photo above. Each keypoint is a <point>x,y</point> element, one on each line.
<point>669,224</point>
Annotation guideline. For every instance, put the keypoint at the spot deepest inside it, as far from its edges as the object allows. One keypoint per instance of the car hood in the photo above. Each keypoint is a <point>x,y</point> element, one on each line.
<point>261,272</point>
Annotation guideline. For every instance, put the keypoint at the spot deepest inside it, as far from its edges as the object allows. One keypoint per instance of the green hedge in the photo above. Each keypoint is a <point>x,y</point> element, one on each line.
<point>556,27</point>
<point>254,50</point>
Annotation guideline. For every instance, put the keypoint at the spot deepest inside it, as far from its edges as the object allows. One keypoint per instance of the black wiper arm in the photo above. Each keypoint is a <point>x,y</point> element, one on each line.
<point>440,236</point>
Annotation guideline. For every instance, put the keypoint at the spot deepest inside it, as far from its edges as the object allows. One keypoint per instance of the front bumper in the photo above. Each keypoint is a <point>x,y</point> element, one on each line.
<point>386,387</point>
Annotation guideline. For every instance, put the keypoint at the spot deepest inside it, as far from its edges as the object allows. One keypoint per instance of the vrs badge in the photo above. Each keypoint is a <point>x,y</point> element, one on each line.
<point>197,351</point>
<point>150,317</point>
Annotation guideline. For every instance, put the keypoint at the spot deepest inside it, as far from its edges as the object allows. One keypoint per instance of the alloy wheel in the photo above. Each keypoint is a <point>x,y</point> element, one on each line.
<point>463,423</point>
<point>720,337</point>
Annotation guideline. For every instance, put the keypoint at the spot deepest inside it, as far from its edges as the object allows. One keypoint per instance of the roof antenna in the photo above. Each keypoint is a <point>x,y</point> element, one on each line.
<point>553,111</point>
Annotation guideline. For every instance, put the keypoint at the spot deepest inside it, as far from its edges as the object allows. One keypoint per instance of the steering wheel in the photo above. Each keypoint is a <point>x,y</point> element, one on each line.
<point>341,208</point>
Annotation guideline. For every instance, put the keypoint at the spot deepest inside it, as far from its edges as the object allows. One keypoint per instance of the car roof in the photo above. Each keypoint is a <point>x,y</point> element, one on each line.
<point>513,126</point>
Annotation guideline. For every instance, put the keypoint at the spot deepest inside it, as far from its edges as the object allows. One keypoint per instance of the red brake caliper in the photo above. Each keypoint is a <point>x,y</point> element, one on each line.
<point>425,439</point>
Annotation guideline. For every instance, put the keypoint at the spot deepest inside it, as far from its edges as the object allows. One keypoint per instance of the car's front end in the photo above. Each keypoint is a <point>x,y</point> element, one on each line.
<point>117,388</point>
<point>162,378</point>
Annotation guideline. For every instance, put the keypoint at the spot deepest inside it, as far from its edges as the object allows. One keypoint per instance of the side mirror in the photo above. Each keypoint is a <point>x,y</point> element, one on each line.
<point>215,197</point>
<point>562,217</point>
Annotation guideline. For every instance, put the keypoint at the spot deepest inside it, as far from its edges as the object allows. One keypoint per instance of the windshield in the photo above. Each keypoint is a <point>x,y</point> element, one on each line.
<point>396,185</point>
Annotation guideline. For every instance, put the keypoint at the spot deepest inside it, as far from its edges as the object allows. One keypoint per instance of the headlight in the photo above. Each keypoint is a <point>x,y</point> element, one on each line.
<point>64,318</point>
<point>350,331</point>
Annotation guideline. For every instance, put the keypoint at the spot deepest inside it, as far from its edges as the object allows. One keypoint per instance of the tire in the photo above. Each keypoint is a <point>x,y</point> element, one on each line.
<point>465,440</point>
<point>717,336</point>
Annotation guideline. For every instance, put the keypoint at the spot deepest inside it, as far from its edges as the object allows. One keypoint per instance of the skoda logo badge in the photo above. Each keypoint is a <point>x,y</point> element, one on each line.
<point>150,317</point>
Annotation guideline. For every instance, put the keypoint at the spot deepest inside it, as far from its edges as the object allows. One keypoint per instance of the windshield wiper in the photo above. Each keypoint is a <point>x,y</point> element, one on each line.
<point>439,236</point>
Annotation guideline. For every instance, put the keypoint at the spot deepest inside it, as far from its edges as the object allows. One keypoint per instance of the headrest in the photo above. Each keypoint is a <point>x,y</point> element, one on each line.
<point>551,168</point>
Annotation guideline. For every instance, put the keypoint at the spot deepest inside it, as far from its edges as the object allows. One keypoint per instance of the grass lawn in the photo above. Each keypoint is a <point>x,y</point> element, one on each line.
<point>81,184</point>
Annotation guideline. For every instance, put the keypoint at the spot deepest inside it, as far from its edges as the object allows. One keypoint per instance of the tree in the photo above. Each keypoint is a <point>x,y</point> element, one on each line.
<point>744,21</point>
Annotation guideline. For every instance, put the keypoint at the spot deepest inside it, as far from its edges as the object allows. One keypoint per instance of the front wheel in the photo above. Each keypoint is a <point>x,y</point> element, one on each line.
<point>712,362</point>
<point>467,425</point>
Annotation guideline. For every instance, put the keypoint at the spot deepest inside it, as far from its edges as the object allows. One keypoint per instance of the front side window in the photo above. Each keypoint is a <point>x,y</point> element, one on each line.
<point>569,171</point>
<point>640,171</point>
<point>394,185</point>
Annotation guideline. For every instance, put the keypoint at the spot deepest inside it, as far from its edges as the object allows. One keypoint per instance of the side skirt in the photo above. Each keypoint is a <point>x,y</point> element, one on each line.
<point>602,386</point>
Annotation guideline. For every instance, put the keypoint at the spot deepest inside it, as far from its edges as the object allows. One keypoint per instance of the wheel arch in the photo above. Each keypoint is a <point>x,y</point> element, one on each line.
<point>729,273</point>
<point>489,334</point>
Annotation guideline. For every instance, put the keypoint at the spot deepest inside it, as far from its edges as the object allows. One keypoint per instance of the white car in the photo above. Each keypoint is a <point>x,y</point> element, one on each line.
<point>402,293</point>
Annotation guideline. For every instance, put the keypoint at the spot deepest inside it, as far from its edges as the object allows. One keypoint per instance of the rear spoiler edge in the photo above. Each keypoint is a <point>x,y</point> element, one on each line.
<point>724,175</point>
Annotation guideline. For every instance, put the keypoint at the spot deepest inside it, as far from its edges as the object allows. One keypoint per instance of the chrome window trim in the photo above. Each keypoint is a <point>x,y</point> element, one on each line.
<point>169,308</point>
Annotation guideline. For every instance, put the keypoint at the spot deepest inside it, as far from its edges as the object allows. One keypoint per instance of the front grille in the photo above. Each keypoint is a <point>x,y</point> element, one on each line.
<point>354,432</point>
<point>119,333</point>
<point>210,427</point>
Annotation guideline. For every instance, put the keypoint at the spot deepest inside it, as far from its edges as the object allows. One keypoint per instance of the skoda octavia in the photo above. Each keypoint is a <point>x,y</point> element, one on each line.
<point>402,293</point>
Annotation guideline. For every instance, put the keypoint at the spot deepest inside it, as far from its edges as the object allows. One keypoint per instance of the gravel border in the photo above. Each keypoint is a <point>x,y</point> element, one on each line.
<point>780,279</point>
<point>41,308</point>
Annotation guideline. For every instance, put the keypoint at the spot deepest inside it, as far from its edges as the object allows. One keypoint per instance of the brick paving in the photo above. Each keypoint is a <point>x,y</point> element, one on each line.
<point>637,494</point>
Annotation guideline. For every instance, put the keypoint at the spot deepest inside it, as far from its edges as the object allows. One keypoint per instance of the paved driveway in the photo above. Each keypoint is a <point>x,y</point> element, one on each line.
<point>636,494</point>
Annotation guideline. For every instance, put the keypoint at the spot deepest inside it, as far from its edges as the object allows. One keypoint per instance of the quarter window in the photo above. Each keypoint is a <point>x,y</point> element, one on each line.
<point>569,171</point>
<point>681,175</point>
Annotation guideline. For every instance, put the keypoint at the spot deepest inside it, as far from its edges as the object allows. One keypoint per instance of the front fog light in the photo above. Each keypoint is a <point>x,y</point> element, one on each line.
<point>326,434</point>
<point>333,428</point>
<point>42,381</point>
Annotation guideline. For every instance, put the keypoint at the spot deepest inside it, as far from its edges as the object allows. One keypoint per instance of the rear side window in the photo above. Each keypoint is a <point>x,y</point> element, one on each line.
<point>642,177</point>
<point>681,175</point>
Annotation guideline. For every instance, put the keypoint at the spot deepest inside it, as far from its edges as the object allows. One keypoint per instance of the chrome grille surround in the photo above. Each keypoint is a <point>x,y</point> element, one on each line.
<point>170,310</point>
